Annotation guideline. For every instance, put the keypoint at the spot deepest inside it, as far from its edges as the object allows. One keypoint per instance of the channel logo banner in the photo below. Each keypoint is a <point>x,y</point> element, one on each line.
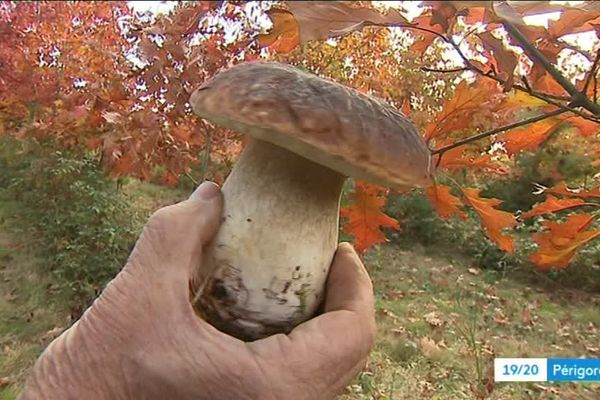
<point>573,369</point>
<point>547,369</point>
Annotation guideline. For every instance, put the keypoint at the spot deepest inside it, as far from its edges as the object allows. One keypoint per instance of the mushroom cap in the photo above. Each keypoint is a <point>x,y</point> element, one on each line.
<point>321,120</point>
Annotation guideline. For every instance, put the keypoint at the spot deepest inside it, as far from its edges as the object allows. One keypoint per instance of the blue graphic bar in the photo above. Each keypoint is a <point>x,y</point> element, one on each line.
<point>573,369</point>
<point>547,369</point>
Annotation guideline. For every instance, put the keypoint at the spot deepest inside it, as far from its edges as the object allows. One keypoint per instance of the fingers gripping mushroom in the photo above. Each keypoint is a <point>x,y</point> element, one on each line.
<point>266,268</point>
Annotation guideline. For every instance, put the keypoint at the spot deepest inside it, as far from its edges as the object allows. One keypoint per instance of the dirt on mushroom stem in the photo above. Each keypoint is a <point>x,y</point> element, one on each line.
<point>265,270</point>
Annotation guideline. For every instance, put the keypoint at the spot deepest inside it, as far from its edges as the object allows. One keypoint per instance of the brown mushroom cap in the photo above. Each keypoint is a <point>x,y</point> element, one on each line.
<point>321,120</point>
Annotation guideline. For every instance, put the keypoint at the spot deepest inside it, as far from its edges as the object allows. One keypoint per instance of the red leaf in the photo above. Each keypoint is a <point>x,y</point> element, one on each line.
<point>456,112</point>
<point>562,189</point>
<point>365,218</point>
<point>504,58</point>
<point>550,205</point>
<point>494,221</point>
<point>569,20</point>
<point>425,21</point>
<point>456,158</point>
<point>285,34</point>
<point>322,19</point>
<point>586,127</point>
<point>528,137</point>
<point>444,202</point>
<point>169,179</point>
<point>558,245</point>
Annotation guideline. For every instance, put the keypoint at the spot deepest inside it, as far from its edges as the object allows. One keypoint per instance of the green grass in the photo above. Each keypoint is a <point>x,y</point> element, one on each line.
<point>440,320</point>
<point>31,312</point>
<point>32,309</point>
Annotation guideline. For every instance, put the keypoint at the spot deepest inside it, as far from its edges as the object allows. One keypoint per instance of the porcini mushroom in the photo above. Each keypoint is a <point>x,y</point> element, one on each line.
<point>266,268</point>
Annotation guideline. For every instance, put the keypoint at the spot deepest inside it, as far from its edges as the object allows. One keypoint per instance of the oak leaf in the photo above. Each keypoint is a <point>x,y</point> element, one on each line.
<point>585,127</point>
<point>518,99</point>
<point>365,217</point>
<point>529,137</point>
<point>457,158</point>
<point>505,59</point>
<point>562,189</point>
<point>285,34</point>
<point>571,19</point>
<point>493,220</point>
<point>559,243</point>
<point>445,203</point>
<point>551,205</point>
<point>319,20</point>
<point>456,112</point>
<point>427,33</point>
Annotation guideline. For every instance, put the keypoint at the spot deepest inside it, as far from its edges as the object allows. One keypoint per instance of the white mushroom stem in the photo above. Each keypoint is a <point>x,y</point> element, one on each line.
<point>266,268</point>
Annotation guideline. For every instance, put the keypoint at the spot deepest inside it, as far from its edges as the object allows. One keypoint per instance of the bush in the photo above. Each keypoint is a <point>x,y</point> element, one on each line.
<point>420,224</point>
<point>87,225</point>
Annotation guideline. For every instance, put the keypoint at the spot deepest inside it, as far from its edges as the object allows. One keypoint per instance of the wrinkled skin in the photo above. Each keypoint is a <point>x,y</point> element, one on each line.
<point>142,340</point>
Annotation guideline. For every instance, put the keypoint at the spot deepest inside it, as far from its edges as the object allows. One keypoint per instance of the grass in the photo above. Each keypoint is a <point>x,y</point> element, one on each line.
<point>32,310</point>
<point>441,321</point>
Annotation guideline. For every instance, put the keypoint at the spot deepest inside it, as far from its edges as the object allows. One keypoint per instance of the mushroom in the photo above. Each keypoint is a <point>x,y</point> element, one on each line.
<point>266,268</point>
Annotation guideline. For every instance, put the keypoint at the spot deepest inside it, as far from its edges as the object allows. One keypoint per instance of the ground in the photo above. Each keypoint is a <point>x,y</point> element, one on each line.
<point>441,321</point>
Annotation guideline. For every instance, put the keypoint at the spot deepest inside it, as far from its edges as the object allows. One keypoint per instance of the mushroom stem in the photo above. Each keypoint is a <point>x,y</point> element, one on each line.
<point>265,270</point>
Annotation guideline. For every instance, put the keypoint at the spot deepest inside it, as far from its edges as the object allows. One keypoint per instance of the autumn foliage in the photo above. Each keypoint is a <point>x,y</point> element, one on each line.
<point>483,86</point>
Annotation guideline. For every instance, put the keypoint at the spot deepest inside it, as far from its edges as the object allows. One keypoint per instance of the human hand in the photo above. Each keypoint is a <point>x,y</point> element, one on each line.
<point>142,338</point>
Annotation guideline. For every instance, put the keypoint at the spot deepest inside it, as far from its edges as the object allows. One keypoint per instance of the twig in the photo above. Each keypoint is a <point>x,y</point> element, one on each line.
<point>482,135</point>
<point>575,49</point>
<point>578,99</point>
<point>592,73</point>
<point>458,69</point>
<point>547,97</point>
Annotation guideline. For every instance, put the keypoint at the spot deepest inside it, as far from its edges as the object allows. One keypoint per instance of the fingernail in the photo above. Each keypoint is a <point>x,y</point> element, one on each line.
<point>206,191</point>
<point>345,246</point>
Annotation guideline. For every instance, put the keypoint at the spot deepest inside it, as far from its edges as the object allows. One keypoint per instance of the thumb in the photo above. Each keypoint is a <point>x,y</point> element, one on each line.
<point>348,285</point>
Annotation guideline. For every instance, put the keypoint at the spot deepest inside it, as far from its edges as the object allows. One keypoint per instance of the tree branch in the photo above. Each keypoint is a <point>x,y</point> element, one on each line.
<point>574,48</point>
<point>482,135</point>
<point>547,97</point>
<point>592,73</point>
<point>459,69</point>
<point>578,99</point>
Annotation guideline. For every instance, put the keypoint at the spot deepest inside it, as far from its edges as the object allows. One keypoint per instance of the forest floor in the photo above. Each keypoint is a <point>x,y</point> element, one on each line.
<point>440,320</point>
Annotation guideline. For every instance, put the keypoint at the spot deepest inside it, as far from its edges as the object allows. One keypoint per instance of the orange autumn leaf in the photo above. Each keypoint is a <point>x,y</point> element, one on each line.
<point>285,34</point>
<point>552,204</point>
<point>528,137</point>
<point>444,202</point>
<point>562,189</point>
<point>455,158</point>
<point>425,37</point>
<point>319,20</point>
<point>365,217</point>
<point>585,127</point>
<point>558,244</point>
<point>493,220</point>
<point>571,19</point>
<point>466,101</point>
<point>505,60</point>
<point>547,84</point>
